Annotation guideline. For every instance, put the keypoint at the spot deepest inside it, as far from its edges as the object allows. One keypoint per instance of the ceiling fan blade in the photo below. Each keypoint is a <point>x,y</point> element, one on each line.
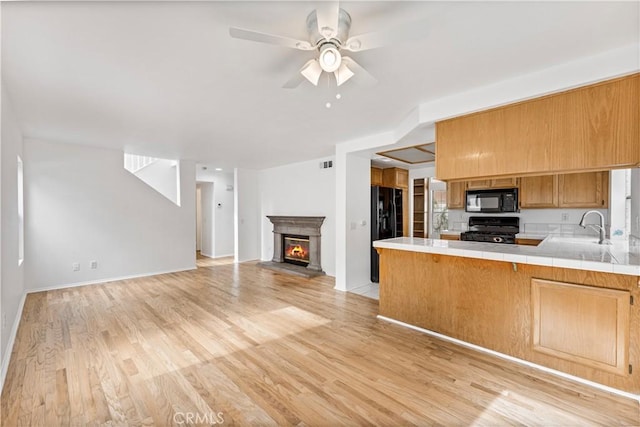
<point>412,31</point>
<point>343,74</point>
<point>364,77</point>
<point>294,81</point>
<point>312,71</point>
<point>327,15</point>
<point>255,36</point>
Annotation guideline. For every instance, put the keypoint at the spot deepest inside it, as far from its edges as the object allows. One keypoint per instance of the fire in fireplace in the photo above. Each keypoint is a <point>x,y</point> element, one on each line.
<point>296,249</point>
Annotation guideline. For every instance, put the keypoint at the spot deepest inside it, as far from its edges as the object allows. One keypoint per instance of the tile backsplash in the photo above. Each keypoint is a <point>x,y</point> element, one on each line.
<point>561,228</point>
<point>634,244</point>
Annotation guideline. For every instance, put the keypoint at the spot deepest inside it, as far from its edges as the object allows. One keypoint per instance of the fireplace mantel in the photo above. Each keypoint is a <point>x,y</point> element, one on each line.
<point>298,225</point>
<point>305,225</point>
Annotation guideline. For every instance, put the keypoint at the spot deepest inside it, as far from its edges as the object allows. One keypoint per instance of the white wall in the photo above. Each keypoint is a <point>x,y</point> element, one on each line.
<point>208,219</point>
<point>223,211</point>
<point>82,205</point>
<point>344,189</point>
<point>223,206</point>
<point>11,274</point>
<point>301,189</point>
<point>358,235</point>
<point>162,175</point>
<point>198,217</point>
<point>247,215</point>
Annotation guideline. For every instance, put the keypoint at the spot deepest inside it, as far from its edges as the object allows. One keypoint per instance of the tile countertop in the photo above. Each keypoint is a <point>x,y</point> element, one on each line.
<point>581,253</point>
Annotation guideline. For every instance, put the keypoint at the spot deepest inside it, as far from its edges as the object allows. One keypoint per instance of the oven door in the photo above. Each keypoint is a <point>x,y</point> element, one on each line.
<point>483,201</point>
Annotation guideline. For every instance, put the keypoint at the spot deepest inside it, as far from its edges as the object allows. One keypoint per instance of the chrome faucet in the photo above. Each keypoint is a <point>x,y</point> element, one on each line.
<point>600,228</point>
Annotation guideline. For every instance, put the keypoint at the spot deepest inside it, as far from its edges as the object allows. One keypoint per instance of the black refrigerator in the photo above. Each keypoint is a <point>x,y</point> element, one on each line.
<point>386,220</point>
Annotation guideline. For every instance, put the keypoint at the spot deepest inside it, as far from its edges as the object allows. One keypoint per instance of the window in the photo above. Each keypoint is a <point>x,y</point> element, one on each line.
<point>20,184</point>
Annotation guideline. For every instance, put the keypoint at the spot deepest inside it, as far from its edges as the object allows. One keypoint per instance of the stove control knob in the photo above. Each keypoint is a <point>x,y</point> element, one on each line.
<point>498,239</point>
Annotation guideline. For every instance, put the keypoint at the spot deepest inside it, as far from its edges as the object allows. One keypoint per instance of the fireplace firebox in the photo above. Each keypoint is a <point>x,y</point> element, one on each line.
<point>296,245</point>
<point>296,249</point>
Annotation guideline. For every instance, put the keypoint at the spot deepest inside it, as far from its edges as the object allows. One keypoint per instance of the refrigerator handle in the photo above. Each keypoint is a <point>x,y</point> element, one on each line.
<point>394,220</point>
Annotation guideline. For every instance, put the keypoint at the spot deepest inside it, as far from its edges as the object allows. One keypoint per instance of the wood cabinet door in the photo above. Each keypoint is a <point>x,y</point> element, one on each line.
<point>539,192</point>
<point>592,127</point>
<point>478,184</point>
<point>582,324</point>
<point>583,190</point>
<point>402,178</point>
<point>504,183</point>
<point>376,176</point>
<point>455,194</point>
<point>597,126</point>
<point>395,178</point>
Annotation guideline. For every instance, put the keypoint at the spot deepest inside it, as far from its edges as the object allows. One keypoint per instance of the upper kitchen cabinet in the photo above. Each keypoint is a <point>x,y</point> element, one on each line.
<point>483,184</point>
<point>594,127</point>
<point>376,176</point>
<point>455,194</point>
<point>539,192</point>
<point>574,190</point>
<point>583,190</point>
<point>395,178</point>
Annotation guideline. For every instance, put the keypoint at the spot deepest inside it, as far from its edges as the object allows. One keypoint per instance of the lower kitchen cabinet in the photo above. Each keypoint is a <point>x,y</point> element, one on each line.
<point>579,322</point>
<point>595,324</point>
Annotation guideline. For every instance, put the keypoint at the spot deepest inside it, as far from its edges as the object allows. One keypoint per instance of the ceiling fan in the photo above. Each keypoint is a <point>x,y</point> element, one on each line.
<point>328,27</point>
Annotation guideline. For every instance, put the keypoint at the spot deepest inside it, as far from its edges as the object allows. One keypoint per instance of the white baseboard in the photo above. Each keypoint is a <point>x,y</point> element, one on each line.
<point>223,256</point>
<point>515,359</point>
<point>12,338</point>
<point>215,257</point>
<point>101,281</point>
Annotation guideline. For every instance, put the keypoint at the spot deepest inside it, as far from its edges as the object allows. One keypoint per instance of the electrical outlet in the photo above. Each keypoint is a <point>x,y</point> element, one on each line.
<point>93,264</point>
<point>75,266</point>
<point>565,216</point>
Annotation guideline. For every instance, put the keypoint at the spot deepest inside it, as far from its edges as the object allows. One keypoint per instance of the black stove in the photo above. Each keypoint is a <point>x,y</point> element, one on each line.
<point>493,229</point>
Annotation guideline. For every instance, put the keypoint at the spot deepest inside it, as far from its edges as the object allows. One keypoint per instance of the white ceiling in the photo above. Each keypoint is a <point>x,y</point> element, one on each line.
<point>166,79</point>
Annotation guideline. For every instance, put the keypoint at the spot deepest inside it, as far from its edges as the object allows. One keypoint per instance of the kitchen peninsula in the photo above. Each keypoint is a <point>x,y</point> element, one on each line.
<point>570,305</point>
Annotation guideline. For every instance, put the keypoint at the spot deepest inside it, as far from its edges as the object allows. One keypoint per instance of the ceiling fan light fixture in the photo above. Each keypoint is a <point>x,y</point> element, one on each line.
<point>330,58</point>
<point>343,74</point>
<point>312,71</point>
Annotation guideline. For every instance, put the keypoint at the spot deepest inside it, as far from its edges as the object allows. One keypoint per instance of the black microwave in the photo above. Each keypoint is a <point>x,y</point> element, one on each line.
<point>492,201</point>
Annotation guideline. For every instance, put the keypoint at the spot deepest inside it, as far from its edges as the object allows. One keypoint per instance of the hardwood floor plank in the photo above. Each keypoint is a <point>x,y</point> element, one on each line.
<point>263,348</point>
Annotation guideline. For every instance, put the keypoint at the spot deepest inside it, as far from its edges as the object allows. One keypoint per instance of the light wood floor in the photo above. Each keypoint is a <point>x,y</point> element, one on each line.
<point>263,348</point>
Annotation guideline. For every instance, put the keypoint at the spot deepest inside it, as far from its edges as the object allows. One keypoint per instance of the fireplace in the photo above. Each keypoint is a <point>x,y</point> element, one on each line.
<point>295,249</point>
<point>296,245</point>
